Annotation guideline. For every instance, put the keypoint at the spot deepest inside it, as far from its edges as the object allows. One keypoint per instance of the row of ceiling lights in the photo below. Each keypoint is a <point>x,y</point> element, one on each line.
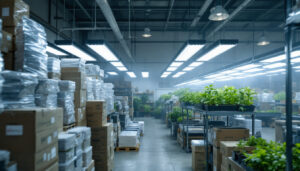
<point>272,66</point>
<point>98,47</point>
<point>191,48</point>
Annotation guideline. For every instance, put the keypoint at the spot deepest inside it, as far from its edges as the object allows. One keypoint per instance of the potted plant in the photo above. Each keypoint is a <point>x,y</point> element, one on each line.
<point>246,99</point>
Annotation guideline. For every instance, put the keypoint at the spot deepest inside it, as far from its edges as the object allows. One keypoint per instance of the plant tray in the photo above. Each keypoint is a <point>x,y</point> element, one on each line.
<point>250,108</point>
<point>221,108</point>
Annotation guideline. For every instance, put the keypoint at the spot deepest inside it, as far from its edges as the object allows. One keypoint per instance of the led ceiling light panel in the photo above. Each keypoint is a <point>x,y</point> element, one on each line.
<point>122,68</point>
<point>228,72</point>
<point>102,49</point>
<point>296,60</point>
<point>55,51</point>
<point>145,74</point>
<point>165,74</point>
<point>176,64</point>
<point>131,74</point>
<point>218,48</point>
<point>254,70</point>
<point>296,67</point>
<point>249,66</point>
<point>178,74</point>
<point>275,65</point>
<point>74,49</point>
<point>274,59</point>
<point>117,64</point>
<point>275,71</point>
<point>171,68</point>
<point>188,68</point>
<point>112,73</point>
<point>195,64</point>
<point>189,50</point>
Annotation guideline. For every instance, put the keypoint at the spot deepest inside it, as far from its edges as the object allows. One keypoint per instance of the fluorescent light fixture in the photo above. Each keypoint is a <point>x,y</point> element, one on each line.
<point>256,74</point>
<point>178,74</point>
<point>195,64</point>
<point>74,49</point>
<point>236,74</point>
<point>189,82</point>
<point>275,59</point>
<point>188,68</point>
<point>131,74</point>
<point>297,71</point>
<point>102,49</point>
<point>228,72</point>
<point>55,51</point>
<point>171,68</point>
<point>176,64</point>
<point>189,50</point>
<point>122,68</point>
<point>295,53</point>
<point>254,70</point>
<point>275,65</point>
<point>112,73</point>
<point>218,48</point>
<point>117,64</point>
<point>296,67</point>
<point>165,74</point>
<point>145,74</point>
<point>275,71</point>
<point>295,60</point>
<point>214,75</point>
<point>249,66</point>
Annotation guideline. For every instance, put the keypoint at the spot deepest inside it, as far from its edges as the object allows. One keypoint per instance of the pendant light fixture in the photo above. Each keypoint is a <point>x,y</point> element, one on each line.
<point>147,33</point>
<point>218,13</point>
<point>263,41</point>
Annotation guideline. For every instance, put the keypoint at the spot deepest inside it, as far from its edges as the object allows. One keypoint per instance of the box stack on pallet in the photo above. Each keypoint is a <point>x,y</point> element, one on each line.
<point>102,135</point>
<point>198,155</point>
<point>74,70</point>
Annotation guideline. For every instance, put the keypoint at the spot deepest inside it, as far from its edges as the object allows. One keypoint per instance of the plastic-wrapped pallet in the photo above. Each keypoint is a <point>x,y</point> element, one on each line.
<point>87,156</point>
<point>18,89</point>
<point>31,43</point>
<point>46,93</point>
<point>90,88</point>
<point>65,99</point>
<point>70,165</point>
<point>66,146</point>
<point>142,126</point>
<point>109,96</point>
<point>1,63</point>
<point>1,85</point>
<point>247,123</point>
<point>54,69</point>
<point>79,133</point>
<point>71,63</point>
<point>92,70</point>
<point>128,139</point>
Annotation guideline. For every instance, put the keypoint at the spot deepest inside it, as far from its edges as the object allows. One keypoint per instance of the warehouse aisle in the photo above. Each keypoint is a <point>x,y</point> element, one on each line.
<point>158,152</point>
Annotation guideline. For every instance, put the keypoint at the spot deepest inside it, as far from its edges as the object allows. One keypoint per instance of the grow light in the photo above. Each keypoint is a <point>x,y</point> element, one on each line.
<point>275,65</point>
<point>122,68</point>
<point>176,64</point>
<point>249,66</point>
<point>112,73</point>
<point>74,49</point>
<point>55,51</point>
<point>178,74</point>
<point>189,50</point>
<point>102,49</point>
<point>254,70</point>
<point>171,68</point>
<point>145,74</point>
<point>218,48</point>
<point>131,74</point>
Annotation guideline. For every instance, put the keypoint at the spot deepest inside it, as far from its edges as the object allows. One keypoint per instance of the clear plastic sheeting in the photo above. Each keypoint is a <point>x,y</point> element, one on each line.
<point>73,63</point>
<point>96,89</point>
<point>109,96</point>
<point>31,43</point>
<point>89,88</point>
<point>128,139</point>
<point>1,62</point>
<point>18,89</point>
<point>92,70</point>
<point>65,99</point>
<point>53,65</point>
<point>46,93</point>
<point>1,85</point>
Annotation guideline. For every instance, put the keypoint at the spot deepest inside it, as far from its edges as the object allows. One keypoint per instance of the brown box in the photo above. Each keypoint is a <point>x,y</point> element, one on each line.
<point>229,134</point>
<point>7,42</point>
<point>71,69</point>
<point>198,160</point>
<point>102,137</point>
<point>54,75</point>
<point>9,61</point>
<point>78,77</point>
<point>80,98</point>
<point>99,166</point>
<point>90,166</point>
<point>227,147</point>
<point>12,12</point>
<point>53,167</point>
<point>36,161</point>
<point>217,159</point>
<point>95,113</point>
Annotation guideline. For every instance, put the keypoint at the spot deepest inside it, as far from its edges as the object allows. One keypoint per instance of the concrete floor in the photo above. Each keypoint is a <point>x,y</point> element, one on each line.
<point>158,151</point>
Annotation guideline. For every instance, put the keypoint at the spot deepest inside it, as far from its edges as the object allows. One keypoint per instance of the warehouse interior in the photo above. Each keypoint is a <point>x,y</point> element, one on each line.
<point>167,85</point>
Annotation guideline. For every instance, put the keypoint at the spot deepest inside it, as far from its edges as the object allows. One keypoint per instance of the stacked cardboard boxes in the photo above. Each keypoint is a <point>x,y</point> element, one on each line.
<point>31,137</point>
<point>76,73</point>
<point>198,155</point>
<point>225,134</point>
<point>102,135</point>
<point>11,12</point>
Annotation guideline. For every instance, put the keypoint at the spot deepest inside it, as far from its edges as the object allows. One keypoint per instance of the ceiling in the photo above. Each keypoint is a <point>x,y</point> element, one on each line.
<point>171,24</point>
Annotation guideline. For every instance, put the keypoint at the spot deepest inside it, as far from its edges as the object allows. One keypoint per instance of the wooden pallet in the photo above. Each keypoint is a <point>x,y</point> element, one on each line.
<point>67,127</point>
<point>128,149</point>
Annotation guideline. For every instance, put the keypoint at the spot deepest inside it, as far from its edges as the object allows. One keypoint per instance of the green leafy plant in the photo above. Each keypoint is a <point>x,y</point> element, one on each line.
<point>147,108</point>
<point>279,96</point>
<point>246,96</point>
<point>181,92</point>
<point>165,97</point>
<point>176,112</point>
<point>137,103</point>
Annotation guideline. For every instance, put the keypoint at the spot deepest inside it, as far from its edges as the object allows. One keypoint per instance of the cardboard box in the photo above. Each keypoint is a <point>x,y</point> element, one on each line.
<point>9,60</point>
<point>198,160</point>
<point>53,75</point>
<point>96,114</point>
<point>227,147</point>
<point>229,134</point>
<point>12,12</point>
<point>36,161</point>
<point>78,77</point>
<point>233,166</point>
<point>7,42</point>
<point>53,167</point>
<point>217,157</point>
<point>102,137</point>
<point>80,98</point>
<point>71,69</point>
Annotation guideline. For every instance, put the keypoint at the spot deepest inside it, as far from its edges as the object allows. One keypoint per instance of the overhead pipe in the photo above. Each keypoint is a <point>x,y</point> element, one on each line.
<point>201,12</point>
<point>231,16</point>
<point>169,14</point>
<point>107,12</point>
<point>84,28</point>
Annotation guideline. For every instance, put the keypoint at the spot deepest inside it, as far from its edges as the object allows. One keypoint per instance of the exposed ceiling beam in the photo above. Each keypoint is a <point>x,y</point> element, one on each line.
<point>83,9</point>
<point>201,12</point>
<point>104,6</point>
<point>169,14</point>
<point>231,16</point>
